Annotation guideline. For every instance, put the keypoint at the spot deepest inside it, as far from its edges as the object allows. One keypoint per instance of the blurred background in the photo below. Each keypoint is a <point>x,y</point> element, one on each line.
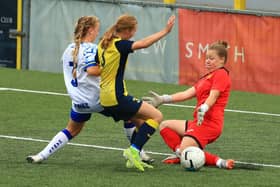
<point>33,35</point>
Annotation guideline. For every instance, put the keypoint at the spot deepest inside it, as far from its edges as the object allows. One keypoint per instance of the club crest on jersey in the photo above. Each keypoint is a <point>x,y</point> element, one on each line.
<point>136,100</point>
<point>74,82</point>
<point>209,76</point>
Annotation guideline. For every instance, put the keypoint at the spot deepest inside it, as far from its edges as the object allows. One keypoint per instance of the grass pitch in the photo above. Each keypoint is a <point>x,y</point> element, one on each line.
<point>251,135</point>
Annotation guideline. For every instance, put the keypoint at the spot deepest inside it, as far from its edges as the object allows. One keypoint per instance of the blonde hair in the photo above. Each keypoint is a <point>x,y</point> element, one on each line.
<point>81,29</point>
<point>221,48</point>
<point>124,22</point>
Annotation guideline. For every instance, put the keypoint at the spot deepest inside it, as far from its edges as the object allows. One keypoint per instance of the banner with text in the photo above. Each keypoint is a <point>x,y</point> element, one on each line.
<point>158,63</point>
<point>253,54</point>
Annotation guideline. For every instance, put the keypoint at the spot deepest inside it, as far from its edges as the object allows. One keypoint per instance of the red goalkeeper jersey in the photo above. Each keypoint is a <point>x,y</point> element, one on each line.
<point>216,80</point>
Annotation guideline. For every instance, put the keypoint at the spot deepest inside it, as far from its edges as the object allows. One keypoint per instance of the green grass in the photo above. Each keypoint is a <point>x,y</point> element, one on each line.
<point>246,137</point>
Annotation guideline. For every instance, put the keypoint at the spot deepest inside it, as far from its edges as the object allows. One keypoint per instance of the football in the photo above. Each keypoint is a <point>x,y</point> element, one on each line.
<point>192,158</point>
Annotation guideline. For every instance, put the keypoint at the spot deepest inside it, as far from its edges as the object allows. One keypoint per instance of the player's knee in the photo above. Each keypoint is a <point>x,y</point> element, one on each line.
<point>158,117</point>
<point>163,124</point>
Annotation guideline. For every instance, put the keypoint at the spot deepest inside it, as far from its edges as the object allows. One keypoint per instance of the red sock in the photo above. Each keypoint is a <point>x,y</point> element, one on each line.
<point>210,159</point>
<point>171,138</point>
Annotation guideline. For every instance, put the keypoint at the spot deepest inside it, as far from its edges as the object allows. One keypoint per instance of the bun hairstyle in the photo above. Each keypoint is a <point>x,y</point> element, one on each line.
<point>221,47</point>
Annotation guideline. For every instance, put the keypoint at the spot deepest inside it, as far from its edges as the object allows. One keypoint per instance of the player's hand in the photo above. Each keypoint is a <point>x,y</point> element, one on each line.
<point>170,23</point>
<point>201,112</point>
<point>156,100</point>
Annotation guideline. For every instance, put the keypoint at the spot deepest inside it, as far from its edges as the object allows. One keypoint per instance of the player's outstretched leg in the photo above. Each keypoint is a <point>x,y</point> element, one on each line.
<point>172,159</point>
<point>35,158</point>
<point>225,164</point>
<point>129,164</point>
<point>146,158</point>
<point>58,141</point>
<point>129,130</point>
<point>214,160</point>
<point>134,160</point>
<point>132,155</point>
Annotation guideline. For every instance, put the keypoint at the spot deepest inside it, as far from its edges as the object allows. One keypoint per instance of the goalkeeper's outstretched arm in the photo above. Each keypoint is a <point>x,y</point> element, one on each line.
<point>184,95</point>
<point>156,100</point>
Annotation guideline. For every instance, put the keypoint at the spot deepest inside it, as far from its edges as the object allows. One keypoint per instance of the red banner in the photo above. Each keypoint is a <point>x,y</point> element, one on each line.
<point>253,56</point>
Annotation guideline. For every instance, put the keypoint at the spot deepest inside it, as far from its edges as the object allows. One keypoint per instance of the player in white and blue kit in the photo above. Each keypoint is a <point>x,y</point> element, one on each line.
<point>83,89</point>
<point>81,76</point>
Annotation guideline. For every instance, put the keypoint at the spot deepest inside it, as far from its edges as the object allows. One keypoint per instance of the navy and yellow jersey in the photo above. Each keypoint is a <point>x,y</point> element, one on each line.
<point>113,61</point>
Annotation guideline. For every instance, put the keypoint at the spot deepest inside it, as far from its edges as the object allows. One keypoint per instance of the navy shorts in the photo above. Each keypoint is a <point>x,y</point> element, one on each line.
<point>127,107</point>
<point>79,117</point>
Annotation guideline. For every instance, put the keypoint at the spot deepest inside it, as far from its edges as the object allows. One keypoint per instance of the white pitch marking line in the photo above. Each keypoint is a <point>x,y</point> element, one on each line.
<point>75,144</point>
<point>257,164</point>
<point>173,105</point>
<point>120,149</point>
<point>33,91</point>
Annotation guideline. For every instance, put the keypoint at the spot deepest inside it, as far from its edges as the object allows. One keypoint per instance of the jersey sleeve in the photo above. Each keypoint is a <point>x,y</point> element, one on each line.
<point>89,55</point>
<point>96,58</point>
<point>124,46</point>
<point>220,80</point>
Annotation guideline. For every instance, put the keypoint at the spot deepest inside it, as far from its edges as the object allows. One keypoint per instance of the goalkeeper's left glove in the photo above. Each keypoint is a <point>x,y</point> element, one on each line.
<point>201,112</point>
<point>156,100</point>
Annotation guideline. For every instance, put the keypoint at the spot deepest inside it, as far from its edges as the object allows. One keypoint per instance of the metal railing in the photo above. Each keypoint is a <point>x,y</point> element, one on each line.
<point>159,3</point>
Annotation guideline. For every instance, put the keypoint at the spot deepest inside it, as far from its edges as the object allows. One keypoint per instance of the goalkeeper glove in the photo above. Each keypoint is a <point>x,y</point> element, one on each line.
<point>201,112</point>
<point>156,100</point>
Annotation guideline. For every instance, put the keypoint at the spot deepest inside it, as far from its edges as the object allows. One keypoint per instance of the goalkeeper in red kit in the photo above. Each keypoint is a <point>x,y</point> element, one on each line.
<point>212,93</point>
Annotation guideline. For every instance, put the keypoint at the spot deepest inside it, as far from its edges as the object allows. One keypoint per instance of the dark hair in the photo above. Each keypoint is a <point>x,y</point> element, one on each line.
<point>221,47</point>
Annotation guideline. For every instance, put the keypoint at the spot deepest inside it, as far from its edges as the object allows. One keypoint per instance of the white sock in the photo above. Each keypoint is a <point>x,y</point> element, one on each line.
<point>221,163</point>
<point>58,141</point>
<point>128,130</point>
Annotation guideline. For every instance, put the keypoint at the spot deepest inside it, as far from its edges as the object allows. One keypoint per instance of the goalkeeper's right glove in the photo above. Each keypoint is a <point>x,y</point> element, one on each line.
<point>202,109</point>
<point>156,100</point>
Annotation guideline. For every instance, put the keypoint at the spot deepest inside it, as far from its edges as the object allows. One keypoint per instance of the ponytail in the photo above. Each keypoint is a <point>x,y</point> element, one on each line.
<point>82,26</point>
<point>108,37</point>
<point>124,22</point>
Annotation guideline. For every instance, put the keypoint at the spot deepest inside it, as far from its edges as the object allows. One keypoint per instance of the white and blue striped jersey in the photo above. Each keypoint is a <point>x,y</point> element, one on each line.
<point>84,90</point>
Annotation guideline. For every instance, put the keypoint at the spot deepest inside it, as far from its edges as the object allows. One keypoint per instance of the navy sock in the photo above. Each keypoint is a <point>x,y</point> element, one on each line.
<point>142,136</point>
<point>67,133</point>
<point>133,136</point>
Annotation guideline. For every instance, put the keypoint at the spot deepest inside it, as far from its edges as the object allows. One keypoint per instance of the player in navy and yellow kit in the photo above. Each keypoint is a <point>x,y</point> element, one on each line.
<point>81,76</point>
<point>212,93</point>
<point>113,51</point>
